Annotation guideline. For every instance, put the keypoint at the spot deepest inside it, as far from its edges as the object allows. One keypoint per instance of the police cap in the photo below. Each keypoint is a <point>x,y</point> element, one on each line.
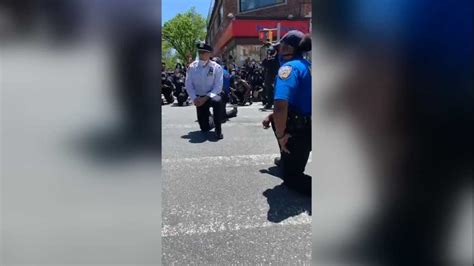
<point>298,40</point>
<point>201,46</point>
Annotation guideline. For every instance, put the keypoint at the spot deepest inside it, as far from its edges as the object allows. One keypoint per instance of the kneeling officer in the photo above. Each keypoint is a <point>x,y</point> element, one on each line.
<point>204,81</point>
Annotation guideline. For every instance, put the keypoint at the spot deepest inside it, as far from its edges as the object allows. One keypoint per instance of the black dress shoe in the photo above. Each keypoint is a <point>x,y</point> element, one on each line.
<point>219,136</point>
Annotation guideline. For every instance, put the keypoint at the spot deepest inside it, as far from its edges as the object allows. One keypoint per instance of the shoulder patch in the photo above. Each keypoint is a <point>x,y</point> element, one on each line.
<point>284,72</point>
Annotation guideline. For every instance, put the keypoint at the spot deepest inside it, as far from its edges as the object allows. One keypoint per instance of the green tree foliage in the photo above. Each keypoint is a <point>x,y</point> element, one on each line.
<point>182,32</point>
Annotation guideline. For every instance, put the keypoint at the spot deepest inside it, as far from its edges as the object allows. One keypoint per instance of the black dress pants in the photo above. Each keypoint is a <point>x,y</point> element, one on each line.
<point>208,121</point>
<point>269,93</point>
<point>293,164</point>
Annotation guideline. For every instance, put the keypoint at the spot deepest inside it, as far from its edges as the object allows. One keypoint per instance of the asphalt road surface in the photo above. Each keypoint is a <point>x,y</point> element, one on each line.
<point>222,203</point>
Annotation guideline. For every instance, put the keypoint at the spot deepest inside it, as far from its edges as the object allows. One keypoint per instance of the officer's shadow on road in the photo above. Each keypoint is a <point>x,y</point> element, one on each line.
<point>195,137</point>
<point>284,203</point>
<point>200,137</point>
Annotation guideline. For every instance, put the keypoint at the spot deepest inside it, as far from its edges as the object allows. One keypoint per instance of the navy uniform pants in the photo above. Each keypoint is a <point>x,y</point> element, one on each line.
<point>269,91</point>
<point>208,121</point>
<point>293,164</point>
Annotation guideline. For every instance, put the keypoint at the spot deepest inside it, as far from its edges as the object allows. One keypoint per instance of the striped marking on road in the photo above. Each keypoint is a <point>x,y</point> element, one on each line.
<point>228,224</point>
<point>234,160</point>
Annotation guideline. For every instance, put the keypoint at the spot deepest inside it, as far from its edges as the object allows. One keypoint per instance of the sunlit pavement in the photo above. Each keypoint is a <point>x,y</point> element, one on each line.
<point>220,204</point>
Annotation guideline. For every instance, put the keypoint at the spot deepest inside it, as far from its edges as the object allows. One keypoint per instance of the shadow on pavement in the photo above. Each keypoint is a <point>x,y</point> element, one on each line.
<point>200,137</point>
<point>195,137</point>
<point>285,203</point>
<point>274,171</point>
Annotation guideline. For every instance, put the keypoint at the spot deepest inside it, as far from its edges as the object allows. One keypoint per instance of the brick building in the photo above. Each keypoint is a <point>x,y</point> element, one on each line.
<point>234,25</point>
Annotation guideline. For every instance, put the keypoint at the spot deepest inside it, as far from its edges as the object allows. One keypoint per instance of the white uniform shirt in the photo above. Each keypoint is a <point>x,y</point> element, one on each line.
<point>202,80</point>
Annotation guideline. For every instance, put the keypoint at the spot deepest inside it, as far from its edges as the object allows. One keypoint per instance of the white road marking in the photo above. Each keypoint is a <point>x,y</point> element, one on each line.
<point>213,161</point>
<point>234,160</point>
<point>226,223</point>
<point>217,227</point>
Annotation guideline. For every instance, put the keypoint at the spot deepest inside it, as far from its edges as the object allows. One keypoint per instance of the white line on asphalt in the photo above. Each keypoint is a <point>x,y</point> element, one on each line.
<point>216,161</point>
<point>234,160</point>
<point>217,227</point>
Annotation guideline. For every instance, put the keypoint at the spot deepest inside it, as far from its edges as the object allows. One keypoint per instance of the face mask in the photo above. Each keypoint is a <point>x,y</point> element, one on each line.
<point>203,62</point>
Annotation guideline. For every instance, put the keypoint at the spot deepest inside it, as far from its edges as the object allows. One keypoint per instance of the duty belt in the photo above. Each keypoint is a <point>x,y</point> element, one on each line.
<point>304,119</point>
<point>297,122</point>
<point>300,119</point>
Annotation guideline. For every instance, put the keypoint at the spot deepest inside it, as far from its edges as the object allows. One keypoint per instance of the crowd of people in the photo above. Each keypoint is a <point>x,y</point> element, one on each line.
<point>243,85</point>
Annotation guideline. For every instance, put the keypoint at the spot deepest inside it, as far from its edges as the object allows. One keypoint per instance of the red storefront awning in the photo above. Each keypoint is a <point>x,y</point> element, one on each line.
<point>250,28</point>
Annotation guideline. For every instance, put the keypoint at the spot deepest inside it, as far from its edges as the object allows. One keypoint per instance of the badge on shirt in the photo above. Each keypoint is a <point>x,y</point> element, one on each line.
<point>211,72</point>
<point>284,72</point>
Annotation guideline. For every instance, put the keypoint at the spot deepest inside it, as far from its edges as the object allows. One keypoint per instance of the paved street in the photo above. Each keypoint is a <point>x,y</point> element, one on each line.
<point>220,206</point>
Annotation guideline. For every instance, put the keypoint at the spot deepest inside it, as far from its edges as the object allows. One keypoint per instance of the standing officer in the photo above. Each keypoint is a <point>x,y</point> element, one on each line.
<point>204,81</point>
<point>291,116</point>
<point>271,65</point>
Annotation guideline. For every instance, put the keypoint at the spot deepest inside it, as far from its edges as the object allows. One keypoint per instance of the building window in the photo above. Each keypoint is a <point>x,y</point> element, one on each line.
<point>249,5</point>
